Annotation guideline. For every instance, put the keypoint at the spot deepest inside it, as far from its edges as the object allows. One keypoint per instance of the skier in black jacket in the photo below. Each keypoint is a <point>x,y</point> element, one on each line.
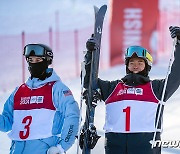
<point>132,103</point>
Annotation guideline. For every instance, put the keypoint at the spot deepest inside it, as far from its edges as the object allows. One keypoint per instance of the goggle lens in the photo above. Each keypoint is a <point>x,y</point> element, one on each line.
<point>34,50</point>
<point>140,52</point>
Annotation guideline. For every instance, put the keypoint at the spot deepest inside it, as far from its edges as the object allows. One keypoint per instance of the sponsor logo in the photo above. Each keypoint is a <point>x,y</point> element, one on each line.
<point>24,100</point>
<point>69,133</point>
<point>31,100</point>
<point>136,91</point>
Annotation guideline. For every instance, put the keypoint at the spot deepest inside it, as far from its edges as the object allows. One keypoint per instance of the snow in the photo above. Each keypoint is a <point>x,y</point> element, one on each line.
<point>17,15</point>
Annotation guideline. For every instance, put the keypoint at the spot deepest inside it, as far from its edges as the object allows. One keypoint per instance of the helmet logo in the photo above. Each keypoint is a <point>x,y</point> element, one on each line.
<point>49,53</point>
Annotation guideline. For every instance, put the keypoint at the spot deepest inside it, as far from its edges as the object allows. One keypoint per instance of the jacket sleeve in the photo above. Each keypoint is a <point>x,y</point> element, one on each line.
<point>69,110</point>
<point>6,118</point>
<point>107,87</point>
<point>173,79</point>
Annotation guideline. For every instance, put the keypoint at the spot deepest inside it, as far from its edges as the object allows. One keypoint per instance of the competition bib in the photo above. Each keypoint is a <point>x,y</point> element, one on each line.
<point>131,109</point>
<point>33,113</point>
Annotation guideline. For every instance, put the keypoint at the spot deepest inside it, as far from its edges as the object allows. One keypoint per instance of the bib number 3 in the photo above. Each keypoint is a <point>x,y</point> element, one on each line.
<point>27,122</point>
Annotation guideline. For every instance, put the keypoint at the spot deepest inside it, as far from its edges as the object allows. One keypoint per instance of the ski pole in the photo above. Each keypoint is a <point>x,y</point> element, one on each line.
<point>164,89</point>
<point>81,101</point>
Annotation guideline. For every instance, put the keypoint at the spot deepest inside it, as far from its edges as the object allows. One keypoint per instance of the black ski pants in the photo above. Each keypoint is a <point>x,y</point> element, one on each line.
<point>130,143</point>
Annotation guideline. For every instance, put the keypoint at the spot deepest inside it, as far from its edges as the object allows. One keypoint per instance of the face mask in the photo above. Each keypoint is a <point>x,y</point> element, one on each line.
<point>38,70</point>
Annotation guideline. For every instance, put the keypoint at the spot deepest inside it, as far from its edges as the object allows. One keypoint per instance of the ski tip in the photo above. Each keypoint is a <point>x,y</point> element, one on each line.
<point>105,6</point>
<point>102,8</point>
<point>96,9</point>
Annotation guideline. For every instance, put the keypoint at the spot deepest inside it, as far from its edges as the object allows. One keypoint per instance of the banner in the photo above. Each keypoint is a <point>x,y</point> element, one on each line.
<point>132,22</point>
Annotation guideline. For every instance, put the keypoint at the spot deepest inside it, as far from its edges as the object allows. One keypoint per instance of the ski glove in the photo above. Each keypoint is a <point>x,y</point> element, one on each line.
<point>95,93</point>
<point>56,150</point>
<point>88,57</point>
<point>175,32</point>
<point>91,43</point>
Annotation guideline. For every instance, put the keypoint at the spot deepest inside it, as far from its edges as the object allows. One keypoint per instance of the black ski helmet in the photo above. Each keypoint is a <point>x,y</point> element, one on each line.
<point>141,52</point>
<point>40,50</point>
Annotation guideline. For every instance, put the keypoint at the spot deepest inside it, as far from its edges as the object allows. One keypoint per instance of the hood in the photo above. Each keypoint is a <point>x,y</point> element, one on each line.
<point>36,82</point>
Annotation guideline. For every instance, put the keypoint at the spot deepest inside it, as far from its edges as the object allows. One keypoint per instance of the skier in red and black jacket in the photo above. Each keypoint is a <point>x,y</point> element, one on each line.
<point>133,103</point>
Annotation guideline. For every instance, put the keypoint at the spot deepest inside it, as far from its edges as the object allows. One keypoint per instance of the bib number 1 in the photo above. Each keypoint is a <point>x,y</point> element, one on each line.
<point>127,118</point>
<point>27,122</point>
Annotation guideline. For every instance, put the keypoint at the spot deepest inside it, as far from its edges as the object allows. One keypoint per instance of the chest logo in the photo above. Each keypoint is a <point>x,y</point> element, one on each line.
<point>136,91</point>
<point>32,100</point>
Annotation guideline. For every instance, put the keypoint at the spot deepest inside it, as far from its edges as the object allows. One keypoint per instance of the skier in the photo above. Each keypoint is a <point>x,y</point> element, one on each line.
<point>132,103</point>
<point>41,114</point>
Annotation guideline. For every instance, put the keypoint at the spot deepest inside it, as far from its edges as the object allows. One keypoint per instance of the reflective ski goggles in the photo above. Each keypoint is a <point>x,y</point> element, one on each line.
<point>34,50</point>
<point>140,52</point>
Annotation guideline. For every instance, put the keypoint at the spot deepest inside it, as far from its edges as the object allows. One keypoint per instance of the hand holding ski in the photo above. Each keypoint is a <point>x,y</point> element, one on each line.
<point>88,137</point>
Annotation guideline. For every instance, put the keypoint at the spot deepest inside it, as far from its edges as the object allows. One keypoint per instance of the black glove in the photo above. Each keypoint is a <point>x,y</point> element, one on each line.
<point>96,95</point>
<point>88,57</point>
<point>175,32</point>
<point>91,44</point>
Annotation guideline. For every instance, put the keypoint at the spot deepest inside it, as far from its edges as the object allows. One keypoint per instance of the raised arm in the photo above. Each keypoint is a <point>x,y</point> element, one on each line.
<point>174,76</point>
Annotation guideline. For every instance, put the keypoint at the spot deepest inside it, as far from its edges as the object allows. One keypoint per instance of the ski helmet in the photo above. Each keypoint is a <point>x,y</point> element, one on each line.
<point>40,50</point>
<point>140,52</point>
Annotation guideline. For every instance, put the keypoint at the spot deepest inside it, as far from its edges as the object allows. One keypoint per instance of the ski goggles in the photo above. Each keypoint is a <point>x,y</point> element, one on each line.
<point>34,50</point>
<point>140,52</point>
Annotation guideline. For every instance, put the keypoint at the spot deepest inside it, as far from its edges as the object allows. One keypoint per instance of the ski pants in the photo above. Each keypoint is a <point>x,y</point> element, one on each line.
<point>130,143</point>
